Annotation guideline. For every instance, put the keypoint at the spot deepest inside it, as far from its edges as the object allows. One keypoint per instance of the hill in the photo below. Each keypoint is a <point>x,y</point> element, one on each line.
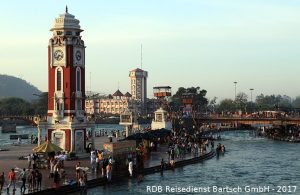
<point>11,86</point>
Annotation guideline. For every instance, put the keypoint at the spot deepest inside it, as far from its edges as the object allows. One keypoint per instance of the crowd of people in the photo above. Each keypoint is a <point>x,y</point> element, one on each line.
<point>30,176</point>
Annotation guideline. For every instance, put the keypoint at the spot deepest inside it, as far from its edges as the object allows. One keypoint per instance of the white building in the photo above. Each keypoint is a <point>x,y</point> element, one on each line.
<point>112,104</point>
<point>138,85</point>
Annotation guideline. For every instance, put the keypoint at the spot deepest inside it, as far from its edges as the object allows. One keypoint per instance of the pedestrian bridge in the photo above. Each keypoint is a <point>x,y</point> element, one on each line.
<point>30,119</point>
<point>250,121</point>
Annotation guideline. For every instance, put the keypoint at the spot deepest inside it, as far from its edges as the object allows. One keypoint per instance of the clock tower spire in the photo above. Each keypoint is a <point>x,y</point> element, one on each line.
<point>66,84</point>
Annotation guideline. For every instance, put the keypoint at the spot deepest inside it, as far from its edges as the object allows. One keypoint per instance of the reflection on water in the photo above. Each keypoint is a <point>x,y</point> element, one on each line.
<point>249,160</point>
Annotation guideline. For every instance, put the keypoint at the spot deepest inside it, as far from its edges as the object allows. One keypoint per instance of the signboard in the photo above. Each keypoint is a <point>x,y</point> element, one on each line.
<point>120,147</point>
<point>58,135</point>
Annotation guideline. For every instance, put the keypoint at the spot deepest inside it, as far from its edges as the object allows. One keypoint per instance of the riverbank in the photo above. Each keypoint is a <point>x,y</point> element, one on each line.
<point>250,160</point>
<point>146,171</point>
<point>11,159</point>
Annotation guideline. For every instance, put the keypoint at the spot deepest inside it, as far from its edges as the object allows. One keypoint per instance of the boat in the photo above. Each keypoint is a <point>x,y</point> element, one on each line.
<point>9,128</point>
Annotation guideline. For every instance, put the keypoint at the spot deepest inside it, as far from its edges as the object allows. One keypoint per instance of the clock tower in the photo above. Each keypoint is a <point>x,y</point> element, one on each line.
<point>66,85</point>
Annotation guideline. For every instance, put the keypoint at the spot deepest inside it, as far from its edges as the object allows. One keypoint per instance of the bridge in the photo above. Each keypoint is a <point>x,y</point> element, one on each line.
<point>32,120</point>
<point>250,121</point>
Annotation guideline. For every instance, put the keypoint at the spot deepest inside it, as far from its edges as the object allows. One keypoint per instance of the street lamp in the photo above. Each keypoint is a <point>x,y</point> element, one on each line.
<point>235,90</point>
<point>251,90</point>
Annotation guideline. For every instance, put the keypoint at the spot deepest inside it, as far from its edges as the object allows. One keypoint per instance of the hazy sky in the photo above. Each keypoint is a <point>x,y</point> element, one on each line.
<point>206,43</point>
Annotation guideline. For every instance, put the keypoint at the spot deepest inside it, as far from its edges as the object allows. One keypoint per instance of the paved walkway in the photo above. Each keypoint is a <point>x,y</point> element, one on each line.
<point>9,159</point>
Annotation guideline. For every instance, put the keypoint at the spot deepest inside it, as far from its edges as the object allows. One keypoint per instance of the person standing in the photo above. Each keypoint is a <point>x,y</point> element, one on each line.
<point>130,167</point>
<point>29,180</point>
<point>82,185</point>
<point>2,180</point>
<point>56,179</point>
<point>23,176</point>
<point>11,179</point>
<point>29,161</point>
<point>52,163</point>
<point>39,180</point>
<point>162,165</point>
<point>77,172</point>
<point>93,161</point>
<point>108,172</point>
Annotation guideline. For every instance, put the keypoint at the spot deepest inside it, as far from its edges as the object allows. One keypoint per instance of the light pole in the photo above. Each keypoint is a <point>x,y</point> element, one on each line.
<point>251,90</point>
<point>235,90</point>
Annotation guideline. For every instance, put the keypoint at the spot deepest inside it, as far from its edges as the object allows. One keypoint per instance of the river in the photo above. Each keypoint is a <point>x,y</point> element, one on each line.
<point>249,161</point>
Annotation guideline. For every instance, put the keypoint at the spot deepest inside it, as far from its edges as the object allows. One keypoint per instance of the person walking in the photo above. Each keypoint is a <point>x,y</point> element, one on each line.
<point>23,176</point>
<point>11,179</point>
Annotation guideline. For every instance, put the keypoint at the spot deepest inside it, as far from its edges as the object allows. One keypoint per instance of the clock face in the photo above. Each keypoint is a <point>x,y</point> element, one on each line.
<point>78,55</point>
<point>58,55</point>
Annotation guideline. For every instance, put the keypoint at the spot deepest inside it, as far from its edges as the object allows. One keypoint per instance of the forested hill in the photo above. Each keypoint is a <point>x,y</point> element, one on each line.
<point>11,86</point>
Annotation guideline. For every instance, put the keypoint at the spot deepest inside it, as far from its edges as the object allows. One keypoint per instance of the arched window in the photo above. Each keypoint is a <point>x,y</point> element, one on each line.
<point>78,79</point>
<point>59,79</point>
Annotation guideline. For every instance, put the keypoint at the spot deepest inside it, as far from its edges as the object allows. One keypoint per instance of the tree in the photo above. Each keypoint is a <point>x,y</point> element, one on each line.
<point>226,105</point>
<point>199,100</point>
<point>273,102</point>
<point>41,104</point>
<point>241,100</point>
<point>296,103</point>
<point>212,104</point>
<point>15,106</point>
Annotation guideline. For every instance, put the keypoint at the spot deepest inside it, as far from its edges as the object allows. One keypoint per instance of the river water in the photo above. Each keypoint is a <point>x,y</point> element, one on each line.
<point>249,161</point>
<point>6,142</point>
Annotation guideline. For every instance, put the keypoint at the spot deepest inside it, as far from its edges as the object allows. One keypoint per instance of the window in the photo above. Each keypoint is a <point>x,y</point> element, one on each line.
<point>58,80</point>
<point>78,75</point>
<point>59,32</point>
<point>69,33</point>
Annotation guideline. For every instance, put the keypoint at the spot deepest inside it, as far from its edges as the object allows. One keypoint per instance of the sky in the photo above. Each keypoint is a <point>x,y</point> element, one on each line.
<point>205,43</point>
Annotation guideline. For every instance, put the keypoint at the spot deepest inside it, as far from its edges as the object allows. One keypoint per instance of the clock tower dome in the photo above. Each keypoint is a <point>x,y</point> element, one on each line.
<point>66,84</point>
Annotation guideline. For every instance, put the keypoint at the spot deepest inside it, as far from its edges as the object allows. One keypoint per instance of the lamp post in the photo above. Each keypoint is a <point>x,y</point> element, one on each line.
<point>251,90</point>
<point>235,90</point>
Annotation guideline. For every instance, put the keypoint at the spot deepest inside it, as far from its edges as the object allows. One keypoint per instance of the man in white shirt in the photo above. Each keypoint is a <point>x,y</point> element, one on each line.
<point>130,167</point>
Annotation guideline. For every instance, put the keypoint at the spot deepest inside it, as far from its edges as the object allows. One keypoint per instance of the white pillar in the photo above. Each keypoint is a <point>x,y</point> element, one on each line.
<point>39,135</point>
<point>93,138</point>
<point>126,131</point>
<point>72,140</point>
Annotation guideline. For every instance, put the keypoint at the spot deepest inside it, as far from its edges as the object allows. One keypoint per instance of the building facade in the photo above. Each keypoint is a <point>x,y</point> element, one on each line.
<point>66,85</point>
<point>138,86</point>
<point>113,104</point>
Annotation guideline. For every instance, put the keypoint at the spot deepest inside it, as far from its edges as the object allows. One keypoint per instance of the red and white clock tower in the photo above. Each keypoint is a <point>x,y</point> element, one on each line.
<point>66,85</point>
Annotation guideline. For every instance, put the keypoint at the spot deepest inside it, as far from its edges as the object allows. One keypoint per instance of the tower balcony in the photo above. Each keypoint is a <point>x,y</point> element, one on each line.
<point>58,114</point>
